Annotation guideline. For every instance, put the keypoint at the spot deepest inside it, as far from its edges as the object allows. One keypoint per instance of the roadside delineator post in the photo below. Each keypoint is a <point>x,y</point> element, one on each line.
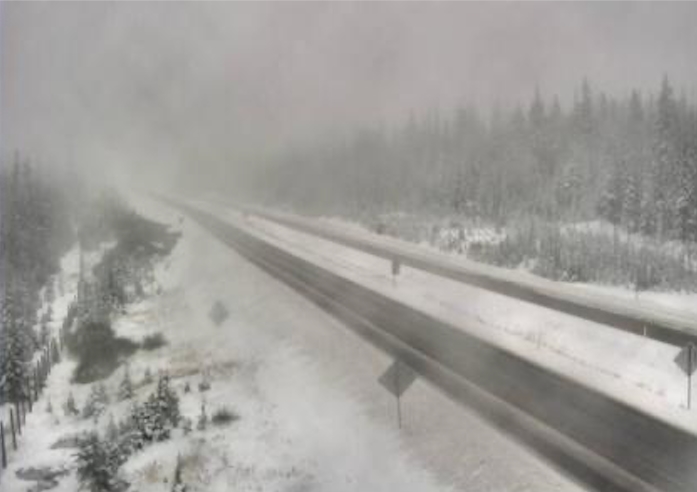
<point>687,361</point>
<point>397,379</point>
<point>396,267</point>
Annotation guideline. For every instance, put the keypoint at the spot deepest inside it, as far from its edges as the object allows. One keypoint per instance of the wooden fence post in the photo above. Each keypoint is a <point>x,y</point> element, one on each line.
<point>36,382</point>
<point>12,426</point>
<point>2,444</point>
<point>18,420</point>
<point>29,399</point>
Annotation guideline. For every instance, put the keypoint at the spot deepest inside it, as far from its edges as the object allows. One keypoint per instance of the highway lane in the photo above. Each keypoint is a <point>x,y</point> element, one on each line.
<point>671,328</point>
<point>600,441</point>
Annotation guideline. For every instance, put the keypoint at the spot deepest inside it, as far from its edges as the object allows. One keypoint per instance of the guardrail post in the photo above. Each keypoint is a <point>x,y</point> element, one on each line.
<point>12,427</point>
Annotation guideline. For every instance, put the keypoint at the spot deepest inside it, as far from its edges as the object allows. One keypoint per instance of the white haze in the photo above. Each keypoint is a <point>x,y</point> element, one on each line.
<point>197,94</point>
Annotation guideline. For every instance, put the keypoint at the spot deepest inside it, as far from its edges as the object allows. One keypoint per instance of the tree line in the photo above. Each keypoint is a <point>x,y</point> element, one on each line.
<point>629,160</point>
<point>35,231</point>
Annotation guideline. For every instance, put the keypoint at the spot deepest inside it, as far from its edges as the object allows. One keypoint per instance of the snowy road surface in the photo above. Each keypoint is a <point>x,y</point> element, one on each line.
<point>668,326</point>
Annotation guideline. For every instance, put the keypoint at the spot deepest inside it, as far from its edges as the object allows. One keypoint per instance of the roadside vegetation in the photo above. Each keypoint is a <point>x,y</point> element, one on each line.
<point>597,252</point>
<point>132,246</point>
<point>35,231</point>
<point>629,162</point>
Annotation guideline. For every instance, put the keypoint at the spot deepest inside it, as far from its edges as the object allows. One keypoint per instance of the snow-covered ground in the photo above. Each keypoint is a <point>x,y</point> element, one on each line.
<point>637,370</point>
<point>312,415</point>
<point>683,303</point>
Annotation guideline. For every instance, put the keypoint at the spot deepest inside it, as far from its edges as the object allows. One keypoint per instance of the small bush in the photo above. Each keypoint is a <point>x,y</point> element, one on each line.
<point>224,416</point>
<point>153,342</point>
<point>573,255</point>
<point>98,462</point>
<point>187,425</point>
<point>70,406</point>
<point>147,376</point>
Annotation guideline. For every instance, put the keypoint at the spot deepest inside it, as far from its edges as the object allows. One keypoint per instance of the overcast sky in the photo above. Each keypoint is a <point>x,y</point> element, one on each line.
<point>166,88</point>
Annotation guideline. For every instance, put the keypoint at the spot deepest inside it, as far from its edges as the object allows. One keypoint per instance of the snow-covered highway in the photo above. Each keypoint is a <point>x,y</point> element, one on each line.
<point>625,444</point>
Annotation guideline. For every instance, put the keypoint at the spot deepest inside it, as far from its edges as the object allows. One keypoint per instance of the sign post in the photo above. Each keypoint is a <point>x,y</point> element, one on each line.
<point>396,266</point>
<point>397,379</point>
<point>687,361</point>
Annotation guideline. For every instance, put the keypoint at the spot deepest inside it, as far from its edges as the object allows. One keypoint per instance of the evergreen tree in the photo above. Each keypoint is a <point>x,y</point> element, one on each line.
<point>112,431</point>
<point>98,463</point>
<point>663,178</point>
<point>97,402</point>
<point>16,352</point>
<point>126,386</point>
<point>154,420</point>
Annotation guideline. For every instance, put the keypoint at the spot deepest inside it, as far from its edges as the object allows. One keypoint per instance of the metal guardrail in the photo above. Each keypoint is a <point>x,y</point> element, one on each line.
<point>601,441</point>
<point>673,329</point>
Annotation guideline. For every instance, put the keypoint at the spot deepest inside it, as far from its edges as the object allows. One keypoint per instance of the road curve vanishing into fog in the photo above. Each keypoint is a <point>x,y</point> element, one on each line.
<point>661,325</point>
<point>600,441</point>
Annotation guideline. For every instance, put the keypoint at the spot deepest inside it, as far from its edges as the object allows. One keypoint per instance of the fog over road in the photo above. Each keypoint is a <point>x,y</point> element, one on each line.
<point>200,93</point>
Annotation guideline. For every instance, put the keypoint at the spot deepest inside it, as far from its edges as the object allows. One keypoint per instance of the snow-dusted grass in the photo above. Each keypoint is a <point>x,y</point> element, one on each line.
<point>593,252</point>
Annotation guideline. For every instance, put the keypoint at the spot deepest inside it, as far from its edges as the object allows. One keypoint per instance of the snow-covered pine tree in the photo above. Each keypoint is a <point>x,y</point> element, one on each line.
<point>167,401</point>
<point>154,420</point>
<point>98,463</point>
<point>15,352</point>
<point>97,402</point>
<point>112,430</point>
<point>126,385</point>
<point>631,203</point>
